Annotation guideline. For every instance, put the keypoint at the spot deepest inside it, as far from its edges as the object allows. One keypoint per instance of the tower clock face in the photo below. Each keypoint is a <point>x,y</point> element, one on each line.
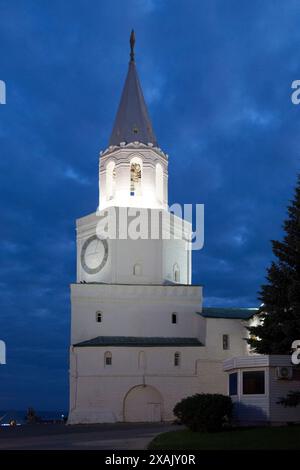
<point>94,254</point>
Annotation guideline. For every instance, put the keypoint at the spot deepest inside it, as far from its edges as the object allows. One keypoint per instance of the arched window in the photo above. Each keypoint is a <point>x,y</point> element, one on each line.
<point>107,359</point>
<point>176,273</point>
<point>110,180</point>
<point>159,182</point>
<point>135,177</point>
<point>142,360</point>
<point>177,359</point>
<point>98,317</point>
<point>137,270</point>
<point>174,317</point>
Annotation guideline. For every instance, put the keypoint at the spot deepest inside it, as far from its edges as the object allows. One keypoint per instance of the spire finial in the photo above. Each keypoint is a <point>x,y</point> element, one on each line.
<point>132,43</point>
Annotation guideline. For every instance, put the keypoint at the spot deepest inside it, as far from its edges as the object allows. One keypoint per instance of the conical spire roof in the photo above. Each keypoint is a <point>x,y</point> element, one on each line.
<point>132,121</point>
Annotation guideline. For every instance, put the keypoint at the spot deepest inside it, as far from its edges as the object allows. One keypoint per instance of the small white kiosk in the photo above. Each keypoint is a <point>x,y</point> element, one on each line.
<point>257,382</point>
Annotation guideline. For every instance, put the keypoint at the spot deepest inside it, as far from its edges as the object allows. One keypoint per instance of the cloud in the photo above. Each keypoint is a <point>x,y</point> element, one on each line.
<point>148,6</point>
<point>71,174</point>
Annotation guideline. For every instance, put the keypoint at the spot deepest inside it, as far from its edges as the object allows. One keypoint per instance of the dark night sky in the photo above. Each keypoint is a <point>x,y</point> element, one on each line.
<point>217,79</point>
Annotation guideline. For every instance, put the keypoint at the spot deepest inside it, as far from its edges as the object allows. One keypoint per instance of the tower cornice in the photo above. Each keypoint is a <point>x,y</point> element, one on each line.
<point>133,146</point>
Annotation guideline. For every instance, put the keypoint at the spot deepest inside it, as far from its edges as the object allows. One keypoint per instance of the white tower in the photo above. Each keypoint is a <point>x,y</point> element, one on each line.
<point>133,174</point>
<point>137,335</point>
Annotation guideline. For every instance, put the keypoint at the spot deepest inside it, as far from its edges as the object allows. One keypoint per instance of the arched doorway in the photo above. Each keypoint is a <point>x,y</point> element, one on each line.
<point>143,403</point>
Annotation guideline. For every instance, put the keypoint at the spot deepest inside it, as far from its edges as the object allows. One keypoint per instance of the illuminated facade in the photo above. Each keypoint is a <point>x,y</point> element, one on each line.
<point>139,339</point>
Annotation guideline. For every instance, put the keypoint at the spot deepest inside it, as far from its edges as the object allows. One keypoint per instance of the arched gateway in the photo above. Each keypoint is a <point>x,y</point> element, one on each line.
<point>143,403</point>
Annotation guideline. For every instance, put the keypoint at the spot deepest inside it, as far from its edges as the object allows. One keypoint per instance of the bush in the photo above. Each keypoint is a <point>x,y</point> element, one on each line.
<point>204,412</point>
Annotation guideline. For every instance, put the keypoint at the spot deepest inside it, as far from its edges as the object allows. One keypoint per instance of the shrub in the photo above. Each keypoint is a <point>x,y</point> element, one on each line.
<point>204,411</point>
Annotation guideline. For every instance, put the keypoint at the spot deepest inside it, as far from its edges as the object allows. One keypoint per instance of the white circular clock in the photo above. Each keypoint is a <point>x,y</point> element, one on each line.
<point>94,254</point>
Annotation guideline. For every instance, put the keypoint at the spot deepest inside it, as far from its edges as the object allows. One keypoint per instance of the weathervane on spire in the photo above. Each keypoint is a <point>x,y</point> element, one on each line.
<point>132,43</point>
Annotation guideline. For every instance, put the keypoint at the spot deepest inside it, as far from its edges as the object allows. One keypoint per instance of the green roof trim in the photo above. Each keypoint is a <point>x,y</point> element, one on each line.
<point>228,312</point>
<point>138,341</point>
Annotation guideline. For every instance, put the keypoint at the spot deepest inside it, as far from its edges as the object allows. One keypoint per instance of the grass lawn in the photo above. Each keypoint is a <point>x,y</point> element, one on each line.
<point>285,437</point>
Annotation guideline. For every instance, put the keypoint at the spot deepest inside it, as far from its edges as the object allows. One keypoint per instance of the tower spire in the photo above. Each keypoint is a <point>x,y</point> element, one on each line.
<point>132,121</point>
<point>132,43</point>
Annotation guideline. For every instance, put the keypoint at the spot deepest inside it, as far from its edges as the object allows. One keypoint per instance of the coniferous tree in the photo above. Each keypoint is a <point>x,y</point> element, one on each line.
<point>279,313</point>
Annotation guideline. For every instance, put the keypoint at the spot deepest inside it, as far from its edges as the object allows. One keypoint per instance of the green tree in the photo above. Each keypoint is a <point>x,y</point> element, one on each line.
<point>279,314</point>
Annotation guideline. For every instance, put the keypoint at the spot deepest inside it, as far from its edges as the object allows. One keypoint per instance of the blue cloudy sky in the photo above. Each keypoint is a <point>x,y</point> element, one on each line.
<point>217,78</point>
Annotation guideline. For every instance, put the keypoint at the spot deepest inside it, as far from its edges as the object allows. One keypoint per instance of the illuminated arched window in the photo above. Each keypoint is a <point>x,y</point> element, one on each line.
<point>159,182</point>
<point>107,359</point>
<point>110,180</point>
<point>176,273</point>
<point>135,177</point>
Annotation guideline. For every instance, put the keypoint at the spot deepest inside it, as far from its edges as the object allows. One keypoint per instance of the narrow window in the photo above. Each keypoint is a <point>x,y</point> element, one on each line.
<point>254,382</point>
<point>110,180</point>
<point>176,359</point>
<point>159,177</point>
<point>137,270</point>
<point>174,318</point>
<point>108,358</point>
<point>135,178</point>
<point>98,317</point>
<point>233,384</point>
<point>142,360</point>
<point>226,344</point>
<point>176,273</point>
